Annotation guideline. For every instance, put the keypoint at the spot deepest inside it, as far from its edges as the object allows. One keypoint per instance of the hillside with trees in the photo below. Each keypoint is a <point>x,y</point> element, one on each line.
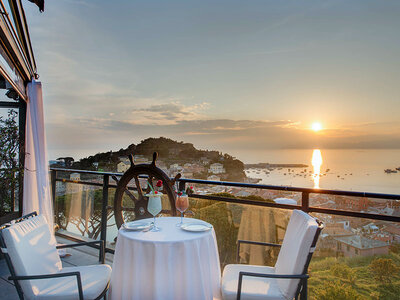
<point>170,152</point>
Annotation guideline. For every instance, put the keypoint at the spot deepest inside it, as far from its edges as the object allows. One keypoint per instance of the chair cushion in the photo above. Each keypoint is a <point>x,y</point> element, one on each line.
<point>32,249</point>
<point>253,288</point>
<point>292,257</point>
<point>94,280</point>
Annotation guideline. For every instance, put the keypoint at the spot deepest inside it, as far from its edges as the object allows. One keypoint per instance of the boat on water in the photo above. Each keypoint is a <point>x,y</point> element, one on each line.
<point>390,171</point>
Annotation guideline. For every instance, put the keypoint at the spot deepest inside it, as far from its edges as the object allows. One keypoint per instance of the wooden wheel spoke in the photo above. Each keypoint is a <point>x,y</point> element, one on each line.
<point>138,187</point>
<point>131,195</point>
<point>127,208</point>
<point>175,179</point>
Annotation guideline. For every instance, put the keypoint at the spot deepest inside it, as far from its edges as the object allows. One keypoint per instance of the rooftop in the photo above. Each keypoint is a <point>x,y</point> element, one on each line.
<point>360,242</point>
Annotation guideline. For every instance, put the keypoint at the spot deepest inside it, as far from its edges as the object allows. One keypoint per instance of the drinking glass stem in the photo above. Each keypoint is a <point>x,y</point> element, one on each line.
<point>181,218</point>
<point>154,222</point>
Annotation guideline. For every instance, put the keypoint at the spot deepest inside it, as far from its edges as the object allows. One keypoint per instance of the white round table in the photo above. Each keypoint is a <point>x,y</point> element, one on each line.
<point>169,264</point>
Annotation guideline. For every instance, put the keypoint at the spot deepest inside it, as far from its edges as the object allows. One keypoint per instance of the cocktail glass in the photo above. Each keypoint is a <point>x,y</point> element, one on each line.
<point>154,208</point>
<point>182,204</point>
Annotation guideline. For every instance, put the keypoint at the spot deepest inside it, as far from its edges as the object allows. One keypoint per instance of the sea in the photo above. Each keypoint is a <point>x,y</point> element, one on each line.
<point>349,169</point>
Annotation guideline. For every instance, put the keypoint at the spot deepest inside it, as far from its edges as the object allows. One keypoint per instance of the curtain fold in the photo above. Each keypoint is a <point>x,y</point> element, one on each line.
<point>37,196</point>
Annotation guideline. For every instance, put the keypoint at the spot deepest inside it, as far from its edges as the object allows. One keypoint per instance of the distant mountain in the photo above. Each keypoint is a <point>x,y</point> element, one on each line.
<point>169,151</point>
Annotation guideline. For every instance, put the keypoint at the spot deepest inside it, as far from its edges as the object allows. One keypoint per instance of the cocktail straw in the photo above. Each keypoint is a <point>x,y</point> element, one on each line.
<point>149,185</point>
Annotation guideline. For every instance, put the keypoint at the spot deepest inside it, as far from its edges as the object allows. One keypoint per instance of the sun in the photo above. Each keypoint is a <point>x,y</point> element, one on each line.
<point>316,126</point>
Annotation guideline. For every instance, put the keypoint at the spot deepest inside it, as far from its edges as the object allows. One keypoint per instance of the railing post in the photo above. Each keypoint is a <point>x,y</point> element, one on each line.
<point>182,186</point>
<point>104,203</point>
<point>53,177</point>
<point>305,197</point>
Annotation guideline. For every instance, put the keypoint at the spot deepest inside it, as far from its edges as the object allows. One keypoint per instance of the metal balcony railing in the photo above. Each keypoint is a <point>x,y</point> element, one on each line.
<point>305,196</point>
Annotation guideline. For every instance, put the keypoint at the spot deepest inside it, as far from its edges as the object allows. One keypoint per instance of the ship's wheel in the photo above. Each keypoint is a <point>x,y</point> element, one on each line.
<point>130,201</point>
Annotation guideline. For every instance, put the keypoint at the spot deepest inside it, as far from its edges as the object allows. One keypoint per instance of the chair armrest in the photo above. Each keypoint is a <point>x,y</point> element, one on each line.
<point>49,276</point>
<point>102,248</point>
<point>253,243</point>
<point>302,277</point>
<point>79,244</point>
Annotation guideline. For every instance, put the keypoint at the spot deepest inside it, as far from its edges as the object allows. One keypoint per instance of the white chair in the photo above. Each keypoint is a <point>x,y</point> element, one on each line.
<point>36,269</point>
<point>288,279</point>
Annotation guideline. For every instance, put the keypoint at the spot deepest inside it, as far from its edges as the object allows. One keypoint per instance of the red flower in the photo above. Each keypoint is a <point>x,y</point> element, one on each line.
<point>180,194</point>
<point>191,188</point>
<point>159,183</point>
<point>155,192</point>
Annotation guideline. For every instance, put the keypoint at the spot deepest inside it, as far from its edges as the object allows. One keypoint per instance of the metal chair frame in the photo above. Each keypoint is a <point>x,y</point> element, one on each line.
<point>302,287</point>
<point>15,278</point>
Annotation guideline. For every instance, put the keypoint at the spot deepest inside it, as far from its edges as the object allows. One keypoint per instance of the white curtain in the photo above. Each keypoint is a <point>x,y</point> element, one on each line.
<point>37,196</point>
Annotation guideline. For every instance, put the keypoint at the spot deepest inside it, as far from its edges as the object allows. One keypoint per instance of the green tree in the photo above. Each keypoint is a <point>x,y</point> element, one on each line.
<point>383,269</point>
<point>9,148</point>
<point>218,214</point>
<point>234,168</point>
<point>388,291</point>
<point>375,295</point>
<point>344,271</point>
<point>336,290</point>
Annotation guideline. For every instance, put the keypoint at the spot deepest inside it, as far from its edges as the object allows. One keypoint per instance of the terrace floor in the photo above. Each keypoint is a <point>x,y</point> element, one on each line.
<point>79,256</point>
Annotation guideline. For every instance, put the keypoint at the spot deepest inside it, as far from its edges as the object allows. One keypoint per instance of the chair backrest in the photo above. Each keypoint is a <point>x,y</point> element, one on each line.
<point>32,250</point>
<point>294,256</point>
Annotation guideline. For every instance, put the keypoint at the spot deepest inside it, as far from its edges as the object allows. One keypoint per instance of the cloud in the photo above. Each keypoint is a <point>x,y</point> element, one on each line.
<point>86,136</point>
<point>168,113</point>
<point>78,2</point>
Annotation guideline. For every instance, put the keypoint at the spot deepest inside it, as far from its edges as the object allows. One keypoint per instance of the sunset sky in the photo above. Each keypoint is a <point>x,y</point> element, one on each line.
<point>224,75</point>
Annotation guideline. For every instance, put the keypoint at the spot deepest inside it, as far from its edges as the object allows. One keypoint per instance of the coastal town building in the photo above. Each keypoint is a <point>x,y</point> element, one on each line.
<point>370,228</point>
<point>338,229</point>
<point>216,168</point>
<point>356,245</point>
<point>125,164</point>
<point>122,166</point>
<point>75,176</point>
<point>175,168</point>
<point>140,159</point>
<point>204,160</point>
<point>383,237</point>
<point>393,230</point>
<point>214,178</point>
<point>351,203</point>
<point>187,174</point>
<point>161,164</point>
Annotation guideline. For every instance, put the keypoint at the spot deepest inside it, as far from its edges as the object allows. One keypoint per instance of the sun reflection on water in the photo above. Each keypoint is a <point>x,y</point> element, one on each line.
<point>316,162</point>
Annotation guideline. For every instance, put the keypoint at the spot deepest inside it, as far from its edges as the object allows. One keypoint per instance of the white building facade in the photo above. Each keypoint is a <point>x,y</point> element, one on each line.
<point>217,168</point>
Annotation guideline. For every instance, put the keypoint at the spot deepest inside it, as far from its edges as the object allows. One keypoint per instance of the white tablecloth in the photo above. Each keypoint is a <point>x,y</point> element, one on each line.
<point>169,264</point>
